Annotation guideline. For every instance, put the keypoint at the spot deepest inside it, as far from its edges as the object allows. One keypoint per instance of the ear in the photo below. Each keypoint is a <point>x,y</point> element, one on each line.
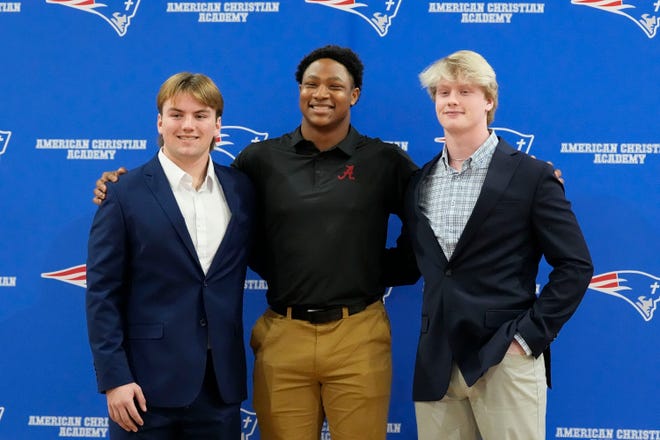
<point>218,124</point>
<point>489,104</point>
<point>159,123</point>
<point>355,95</point>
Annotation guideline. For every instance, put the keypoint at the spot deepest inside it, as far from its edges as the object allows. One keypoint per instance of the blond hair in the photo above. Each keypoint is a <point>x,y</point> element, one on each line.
<point>464,65</point>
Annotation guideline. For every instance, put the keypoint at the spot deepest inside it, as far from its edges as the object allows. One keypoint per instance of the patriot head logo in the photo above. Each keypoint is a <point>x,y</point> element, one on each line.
<point>76,275</point>
<point>233,138</point>
<point>4,141</point>
<point>118,13</point>
<point>2,411</point>
<point>644,13</point>
<point>379,15</point>
<point>639,289</point>
<point>248,424</point>
<point>521,140</point>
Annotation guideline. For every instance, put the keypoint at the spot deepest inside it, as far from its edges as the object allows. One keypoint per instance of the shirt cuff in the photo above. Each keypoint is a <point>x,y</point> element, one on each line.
<point>523,344</point>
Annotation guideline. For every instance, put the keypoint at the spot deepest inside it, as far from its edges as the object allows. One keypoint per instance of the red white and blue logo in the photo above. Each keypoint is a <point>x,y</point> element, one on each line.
<point>378,13</point>
<point>644,13</point>
<point>4,141</point>
<point>639,289</point>
<point>76,275</point>
<point>117,13</point>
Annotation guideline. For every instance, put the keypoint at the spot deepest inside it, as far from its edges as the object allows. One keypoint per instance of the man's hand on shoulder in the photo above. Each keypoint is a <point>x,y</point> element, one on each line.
<point>556,171</point>
<point>100,190</point>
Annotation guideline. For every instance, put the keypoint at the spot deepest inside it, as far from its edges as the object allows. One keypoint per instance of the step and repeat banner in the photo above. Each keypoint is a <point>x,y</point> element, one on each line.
<point>579,86</point>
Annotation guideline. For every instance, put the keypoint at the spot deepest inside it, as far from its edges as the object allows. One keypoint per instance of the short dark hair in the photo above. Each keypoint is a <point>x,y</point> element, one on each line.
<point>342,55</point>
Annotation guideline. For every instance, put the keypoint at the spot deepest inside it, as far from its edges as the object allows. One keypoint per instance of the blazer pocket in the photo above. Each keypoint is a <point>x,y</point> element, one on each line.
<point>510,201</point>
<point>508,204</point>
<point>494,319</point>
<point>145,331</point>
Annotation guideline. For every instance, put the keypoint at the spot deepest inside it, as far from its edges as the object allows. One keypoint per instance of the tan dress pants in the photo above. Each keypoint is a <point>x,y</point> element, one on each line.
<point>507,403</point>
<point>305,373</point>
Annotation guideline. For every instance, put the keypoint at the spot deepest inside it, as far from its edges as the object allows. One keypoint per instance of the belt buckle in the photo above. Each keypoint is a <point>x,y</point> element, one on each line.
<point>313,316</point>
<point>321,316</point>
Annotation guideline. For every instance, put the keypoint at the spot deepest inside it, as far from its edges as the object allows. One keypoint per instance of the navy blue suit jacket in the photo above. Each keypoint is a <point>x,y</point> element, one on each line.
<point>475,302</point>
<point>151,310</point>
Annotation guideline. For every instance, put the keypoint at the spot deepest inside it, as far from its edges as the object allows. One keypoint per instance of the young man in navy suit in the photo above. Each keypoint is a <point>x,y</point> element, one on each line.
<point>481,214</point>
<point>165,271</point>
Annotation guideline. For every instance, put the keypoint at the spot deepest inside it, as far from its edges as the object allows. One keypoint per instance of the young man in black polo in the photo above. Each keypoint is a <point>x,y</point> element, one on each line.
<point>325,193</point>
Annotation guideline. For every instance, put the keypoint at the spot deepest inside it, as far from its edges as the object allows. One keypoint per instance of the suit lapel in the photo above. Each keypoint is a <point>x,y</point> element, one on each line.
<point>228,187</point>
<point>501,169</point>
<point>426,233</point>
<point>155,179</point>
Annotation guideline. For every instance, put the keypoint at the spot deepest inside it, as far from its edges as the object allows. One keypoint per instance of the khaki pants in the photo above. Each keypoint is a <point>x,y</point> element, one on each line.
<point>508,402</point>
<point>341,370</point>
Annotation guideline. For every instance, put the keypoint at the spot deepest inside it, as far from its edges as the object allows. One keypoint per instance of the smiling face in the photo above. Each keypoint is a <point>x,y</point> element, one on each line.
<point>188,128</point>
<point>461,107</point>
<point>326,96</point>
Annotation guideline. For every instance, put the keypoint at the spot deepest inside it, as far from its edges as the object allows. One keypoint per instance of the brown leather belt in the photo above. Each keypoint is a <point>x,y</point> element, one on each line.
<point>318,315</point>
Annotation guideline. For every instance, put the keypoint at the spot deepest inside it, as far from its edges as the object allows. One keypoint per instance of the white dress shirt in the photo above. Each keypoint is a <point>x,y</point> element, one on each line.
<point>205,210</point>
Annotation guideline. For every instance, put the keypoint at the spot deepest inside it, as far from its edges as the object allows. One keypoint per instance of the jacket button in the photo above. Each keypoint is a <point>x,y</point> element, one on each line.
<point>448,272</point>
<point>202,322</point>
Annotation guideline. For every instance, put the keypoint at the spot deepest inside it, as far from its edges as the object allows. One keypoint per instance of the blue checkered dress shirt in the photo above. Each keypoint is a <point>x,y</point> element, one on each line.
<point>448,196</point>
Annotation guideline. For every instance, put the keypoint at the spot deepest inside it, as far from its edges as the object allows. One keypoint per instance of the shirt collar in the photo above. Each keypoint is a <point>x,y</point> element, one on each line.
<point>178,178</point>
<point>481,157</point>
<point>346,145</point>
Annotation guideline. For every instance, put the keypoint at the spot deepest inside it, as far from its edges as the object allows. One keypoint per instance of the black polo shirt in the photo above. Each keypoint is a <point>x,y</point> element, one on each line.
<point>323,218</point>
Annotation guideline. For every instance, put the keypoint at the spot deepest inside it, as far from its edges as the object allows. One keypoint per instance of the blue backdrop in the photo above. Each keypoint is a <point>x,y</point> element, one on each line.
<point>579,87</point>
